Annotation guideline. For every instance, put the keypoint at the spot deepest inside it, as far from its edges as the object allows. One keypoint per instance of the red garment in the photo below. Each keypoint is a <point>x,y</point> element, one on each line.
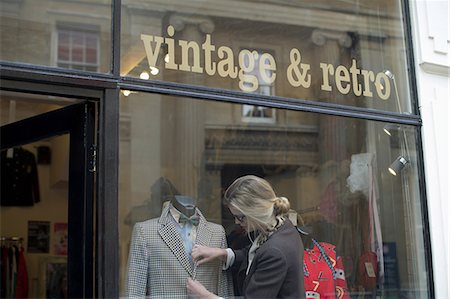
<point>367,270</point>
<point>318,276</point>
<point>22,277</point>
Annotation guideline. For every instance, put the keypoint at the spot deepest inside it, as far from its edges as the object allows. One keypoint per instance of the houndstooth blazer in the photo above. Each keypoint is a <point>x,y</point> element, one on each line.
<point>158,265</point>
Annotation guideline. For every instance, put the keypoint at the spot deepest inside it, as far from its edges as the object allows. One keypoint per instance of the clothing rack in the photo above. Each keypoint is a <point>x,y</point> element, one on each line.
<point>13,268</point>
<point>11,240</point>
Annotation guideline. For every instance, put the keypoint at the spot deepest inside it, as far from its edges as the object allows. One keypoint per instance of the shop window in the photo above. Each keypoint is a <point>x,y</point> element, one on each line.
<point>78,49</point>
<point>334,171</point>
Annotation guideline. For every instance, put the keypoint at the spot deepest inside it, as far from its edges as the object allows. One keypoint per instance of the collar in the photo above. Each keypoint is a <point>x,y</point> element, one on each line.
<point>167,217</point>
<point>175,213</point>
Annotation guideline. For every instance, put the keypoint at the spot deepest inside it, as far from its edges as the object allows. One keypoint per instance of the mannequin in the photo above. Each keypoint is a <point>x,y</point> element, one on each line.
<point>160,260</point>
<point>184,204</point>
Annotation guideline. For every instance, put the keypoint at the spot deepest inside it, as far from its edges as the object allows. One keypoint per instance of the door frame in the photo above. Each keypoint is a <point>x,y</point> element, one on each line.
<point>101,211</point>
<point>78,121</point>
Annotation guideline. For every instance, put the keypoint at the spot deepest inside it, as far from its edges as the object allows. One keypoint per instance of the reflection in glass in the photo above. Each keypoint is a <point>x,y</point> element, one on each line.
<point>78,50</point>
<point>333,170</point>
<point>65,34</point>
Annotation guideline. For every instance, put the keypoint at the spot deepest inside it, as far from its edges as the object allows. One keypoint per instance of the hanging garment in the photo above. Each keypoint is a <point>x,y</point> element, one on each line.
<point>324,273</point>
<point>13,273</point>
<point>367,270</point>
<point>22,276</point>
<point>19,179</point>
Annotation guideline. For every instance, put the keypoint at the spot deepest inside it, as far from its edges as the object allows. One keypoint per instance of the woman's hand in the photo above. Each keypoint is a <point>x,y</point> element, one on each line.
<point>196,290</point>
<point>203,254</point>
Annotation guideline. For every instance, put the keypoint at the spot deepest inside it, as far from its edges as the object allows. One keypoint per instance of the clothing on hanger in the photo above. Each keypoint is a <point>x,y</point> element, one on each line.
<point>19,178</point>
<point>14,274</point>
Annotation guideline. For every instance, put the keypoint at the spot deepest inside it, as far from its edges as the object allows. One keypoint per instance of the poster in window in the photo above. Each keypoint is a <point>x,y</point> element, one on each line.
<point>38,236</point>
<point>60,238</point>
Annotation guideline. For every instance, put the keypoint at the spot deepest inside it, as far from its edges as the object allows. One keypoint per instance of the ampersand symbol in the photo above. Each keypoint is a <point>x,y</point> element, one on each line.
<point>302,78</point>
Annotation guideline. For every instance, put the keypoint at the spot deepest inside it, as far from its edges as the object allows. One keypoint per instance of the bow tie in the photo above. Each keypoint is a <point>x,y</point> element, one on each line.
<point>193,220</point>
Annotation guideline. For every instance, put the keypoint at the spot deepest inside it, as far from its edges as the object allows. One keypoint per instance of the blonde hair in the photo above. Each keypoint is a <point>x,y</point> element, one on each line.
<point>255,198</point>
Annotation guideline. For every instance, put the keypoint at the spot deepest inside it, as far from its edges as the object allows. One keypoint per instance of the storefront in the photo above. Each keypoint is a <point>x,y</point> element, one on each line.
<point>110,108</point>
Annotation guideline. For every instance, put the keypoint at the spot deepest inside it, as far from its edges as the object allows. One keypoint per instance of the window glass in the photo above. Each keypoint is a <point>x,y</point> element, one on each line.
<point>67,34</point>
<point>344,52</point>
<point>334,170</point>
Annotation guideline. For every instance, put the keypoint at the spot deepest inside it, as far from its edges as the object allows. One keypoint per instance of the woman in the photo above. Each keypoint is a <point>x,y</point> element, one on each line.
<point>272,267</point>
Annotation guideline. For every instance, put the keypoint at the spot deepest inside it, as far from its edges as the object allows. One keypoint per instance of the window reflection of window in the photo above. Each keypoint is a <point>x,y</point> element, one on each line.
<point>257,111</point>
<point>77,49</point>
<point>259,114</point>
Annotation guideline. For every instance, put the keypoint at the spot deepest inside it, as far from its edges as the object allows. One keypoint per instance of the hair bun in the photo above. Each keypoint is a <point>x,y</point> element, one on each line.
<point>281,206</point>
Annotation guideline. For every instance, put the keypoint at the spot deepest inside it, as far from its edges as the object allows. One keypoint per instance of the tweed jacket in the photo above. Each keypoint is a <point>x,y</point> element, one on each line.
<point>158,265</point>
<point>277,267</point>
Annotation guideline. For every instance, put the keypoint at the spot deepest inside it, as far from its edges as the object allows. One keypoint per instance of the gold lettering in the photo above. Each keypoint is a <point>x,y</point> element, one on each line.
<point>379,86</point>
<point>225,67</point>
<point>184,66</point>
<point>342,76</point>
<point>357,90</point>
<point>354,79</point>
<point>326,69</point>
<point>267,70</point>
<point>368,77</point>
<point>247,82</point>
<point>297,72</point>
<point>170,64</point>
<point>152,54</point>
<point>210,66</point>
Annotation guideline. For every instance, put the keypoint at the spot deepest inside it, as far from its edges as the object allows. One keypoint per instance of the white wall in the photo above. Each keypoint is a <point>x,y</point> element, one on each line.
<point>431,37</point>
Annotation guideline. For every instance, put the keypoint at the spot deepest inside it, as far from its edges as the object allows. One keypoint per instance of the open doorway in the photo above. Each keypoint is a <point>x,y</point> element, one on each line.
<point>46,198</point>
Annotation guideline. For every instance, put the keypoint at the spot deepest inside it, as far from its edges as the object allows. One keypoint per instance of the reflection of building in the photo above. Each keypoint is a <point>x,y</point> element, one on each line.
<point>222,95</point>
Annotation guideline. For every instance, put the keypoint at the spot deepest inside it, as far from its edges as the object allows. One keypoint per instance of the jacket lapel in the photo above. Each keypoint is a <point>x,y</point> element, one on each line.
<point>172,238</point>
<point>203,233</point>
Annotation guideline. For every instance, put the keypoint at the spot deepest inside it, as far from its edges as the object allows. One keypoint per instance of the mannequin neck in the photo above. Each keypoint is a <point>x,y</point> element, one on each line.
<point>184,204</point>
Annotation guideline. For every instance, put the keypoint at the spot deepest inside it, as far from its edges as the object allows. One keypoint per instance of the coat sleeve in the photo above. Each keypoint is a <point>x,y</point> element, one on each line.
<point>269,274</point>
<point>137,265</point>
<point>225,289</point>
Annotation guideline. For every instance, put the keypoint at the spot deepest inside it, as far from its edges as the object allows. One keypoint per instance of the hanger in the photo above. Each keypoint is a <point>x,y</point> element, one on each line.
<point>8,241</point>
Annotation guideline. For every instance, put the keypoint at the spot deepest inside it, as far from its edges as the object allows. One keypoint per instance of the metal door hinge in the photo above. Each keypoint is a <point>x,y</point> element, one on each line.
<point>93,158</point>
